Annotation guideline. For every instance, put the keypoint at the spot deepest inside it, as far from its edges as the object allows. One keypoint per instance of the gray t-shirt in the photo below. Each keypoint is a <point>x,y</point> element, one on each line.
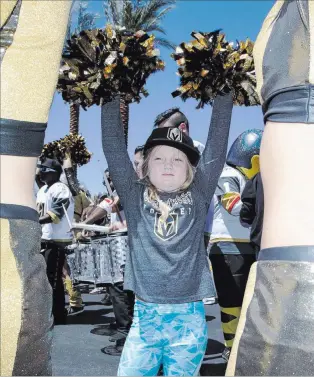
<point>167,261</point>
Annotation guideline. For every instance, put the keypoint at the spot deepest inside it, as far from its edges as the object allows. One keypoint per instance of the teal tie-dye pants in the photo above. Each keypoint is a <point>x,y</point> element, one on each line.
<point>174,335</point>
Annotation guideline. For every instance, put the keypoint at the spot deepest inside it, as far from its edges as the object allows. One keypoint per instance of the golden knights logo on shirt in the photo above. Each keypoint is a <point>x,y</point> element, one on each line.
<point>165,230</point>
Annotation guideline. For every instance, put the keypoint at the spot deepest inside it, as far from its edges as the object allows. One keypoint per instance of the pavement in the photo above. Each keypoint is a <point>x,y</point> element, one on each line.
<point>76,351</point>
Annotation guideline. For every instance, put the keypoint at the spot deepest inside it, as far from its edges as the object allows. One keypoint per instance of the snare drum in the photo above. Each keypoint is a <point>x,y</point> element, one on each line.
<point>110,257</point>
<point>102,260</point>
<point>119,247</point>
<point>82,262</point>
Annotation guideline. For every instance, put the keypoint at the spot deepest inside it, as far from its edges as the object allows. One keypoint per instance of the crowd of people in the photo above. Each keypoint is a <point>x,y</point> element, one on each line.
<point>231,249</point>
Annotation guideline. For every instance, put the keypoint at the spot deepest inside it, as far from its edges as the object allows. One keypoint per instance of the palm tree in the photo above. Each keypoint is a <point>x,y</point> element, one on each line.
<point>85,20</point>
<point>134,15</point>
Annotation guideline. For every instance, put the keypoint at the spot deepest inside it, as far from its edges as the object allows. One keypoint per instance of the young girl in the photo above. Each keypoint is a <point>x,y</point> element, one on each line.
<point>167,267</point>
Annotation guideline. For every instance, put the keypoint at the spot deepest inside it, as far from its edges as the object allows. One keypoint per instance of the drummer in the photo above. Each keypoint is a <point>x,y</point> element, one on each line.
<point>81,201</point>
<point>122,301</point>
<point>53,199</point>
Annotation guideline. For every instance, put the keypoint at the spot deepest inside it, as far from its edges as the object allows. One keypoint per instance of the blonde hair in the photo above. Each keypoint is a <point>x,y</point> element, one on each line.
<point>152,191</point>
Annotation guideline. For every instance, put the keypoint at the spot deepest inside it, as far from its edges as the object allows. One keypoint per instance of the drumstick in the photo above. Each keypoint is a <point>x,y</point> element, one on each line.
<point>111,195</point>
<point>91,227</point>
<point>68,219</point>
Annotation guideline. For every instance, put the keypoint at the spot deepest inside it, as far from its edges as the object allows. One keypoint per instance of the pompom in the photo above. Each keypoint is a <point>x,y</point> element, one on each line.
<point>101,63</point>
<point>210,66</point>
<point>73,144</point>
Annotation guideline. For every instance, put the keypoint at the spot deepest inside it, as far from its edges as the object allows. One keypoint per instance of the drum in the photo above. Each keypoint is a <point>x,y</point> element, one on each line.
<point>100,260</point>
<point>111,257</point>
<point>82,262</point>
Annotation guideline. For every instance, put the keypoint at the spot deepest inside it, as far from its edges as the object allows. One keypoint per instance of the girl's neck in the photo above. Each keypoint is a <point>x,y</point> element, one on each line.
<point>167,192</point>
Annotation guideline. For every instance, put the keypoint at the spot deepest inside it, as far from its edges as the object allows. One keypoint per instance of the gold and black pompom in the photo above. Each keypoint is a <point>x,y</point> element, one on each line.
<point>210,66</point>
<point>101,63</point>
<point>73,144</point>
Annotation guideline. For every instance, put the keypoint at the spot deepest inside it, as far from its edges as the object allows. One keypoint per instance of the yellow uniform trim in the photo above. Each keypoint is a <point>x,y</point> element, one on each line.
<point>229,240</point>
<point>232,311</point>
<point>75,298</point>
<point>229,200</point>
<point>231,326</point>
<point>54,217</point>
<point>250,173</point>
<point>11,302</point>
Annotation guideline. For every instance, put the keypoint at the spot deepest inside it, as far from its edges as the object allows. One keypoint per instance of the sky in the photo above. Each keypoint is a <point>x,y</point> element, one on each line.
<point>237,19</point>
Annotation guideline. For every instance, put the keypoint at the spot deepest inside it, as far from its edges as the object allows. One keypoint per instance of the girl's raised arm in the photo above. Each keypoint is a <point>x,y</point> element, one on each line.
<point>120,166</point>
<point>213,158</point>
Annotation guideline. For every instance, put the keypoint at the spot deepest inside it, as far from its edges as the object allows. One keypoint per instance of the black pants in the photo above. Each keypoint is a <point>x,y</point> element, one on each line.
<point>54,255</point>
<point>231,272</point>
<point>123,306</point>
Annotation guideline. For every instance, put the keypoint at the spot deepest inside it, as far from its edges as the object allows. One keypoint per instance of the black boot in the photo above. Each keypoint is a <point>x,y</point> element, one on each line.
<point>115,350</point>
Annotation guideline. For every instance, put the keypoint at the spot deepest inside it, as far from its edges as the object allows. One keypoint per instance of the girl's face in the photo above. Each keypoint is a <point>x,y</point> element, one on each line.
<point>167,168</point>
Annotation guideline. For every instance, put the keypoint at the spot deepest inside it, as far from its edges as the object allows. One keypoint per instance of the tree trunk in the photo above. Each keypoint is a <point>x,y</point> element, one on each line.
<point>74,125</point>
<point>74,118</point>
<point>124,112</point>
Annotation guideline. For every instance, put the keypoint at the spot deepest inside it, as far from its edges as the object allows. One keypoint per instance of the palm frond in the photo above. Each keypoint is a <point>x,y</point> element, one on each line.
<point>137,15</point>
<point>112,12</point>
<point>159,16</point>
<point>155,27</point>
<point>128,16</point>
<point>154,7</point>
<point>163,42</point>
<point>85,19</point>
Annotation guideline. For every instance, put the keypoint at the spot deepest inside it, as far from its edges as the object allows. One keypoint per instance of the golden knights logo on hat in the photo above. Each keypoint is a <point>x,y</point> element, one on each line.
<point>165,230</point>
<point>174,134</point>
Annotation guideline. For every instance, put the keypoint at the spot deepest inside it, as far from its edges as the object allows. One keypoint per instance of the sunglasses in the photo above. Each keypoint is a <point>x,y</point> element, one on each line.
<point>44,169</point>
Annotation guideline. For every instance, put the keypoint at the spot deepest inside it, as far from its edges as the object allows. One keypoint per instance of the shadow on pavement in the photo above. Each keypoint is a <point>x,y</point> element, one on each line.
<point>103,329</point>
<point>210,318</point>
<point>90,317</point>
<point>214,347</point>
<point>91,303</point>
